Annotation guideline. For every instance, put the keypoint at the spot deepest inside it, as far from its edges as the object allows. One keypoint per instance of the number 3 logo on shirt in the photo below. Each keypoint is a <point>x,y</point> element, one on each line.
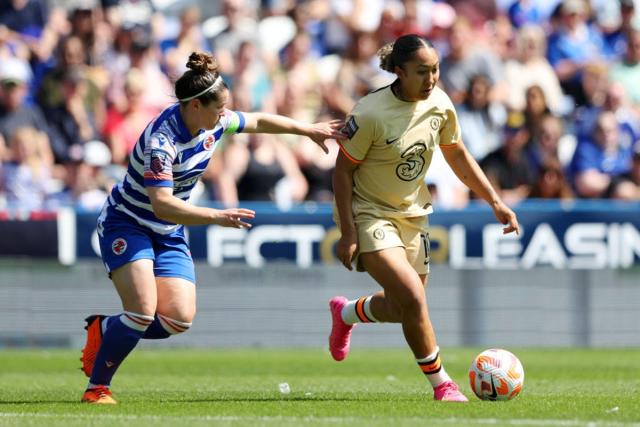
<point>413,163</point>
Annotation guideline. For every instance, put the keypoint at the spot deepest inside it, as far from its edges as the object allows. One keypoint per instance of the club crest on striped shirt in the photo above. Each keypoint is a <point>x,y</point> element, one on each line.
<point>119,246</point>
<point>208,143</point>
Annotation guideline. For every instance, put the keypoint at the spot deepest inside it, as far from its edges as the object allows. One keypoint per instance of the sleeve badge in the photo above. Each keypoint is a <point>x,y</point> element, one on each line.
<point>350,128</point>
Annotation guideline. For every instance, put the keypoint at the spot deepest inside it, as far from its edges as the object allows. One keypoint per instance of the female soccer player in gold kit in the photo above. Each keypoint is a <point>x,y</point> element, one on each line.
<point>382,201</point>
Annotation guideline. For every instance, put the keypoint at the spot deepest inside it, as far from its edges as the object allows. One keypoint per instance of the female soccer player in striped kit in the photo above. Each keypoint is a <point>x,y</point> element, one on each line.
<point>382,201</point>
<point>141,227</point>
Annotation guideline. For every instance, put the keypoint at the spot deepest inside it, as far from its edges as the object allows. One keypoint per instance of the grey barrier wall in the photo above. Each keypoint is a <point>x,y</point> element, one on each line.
<point>43,304</point>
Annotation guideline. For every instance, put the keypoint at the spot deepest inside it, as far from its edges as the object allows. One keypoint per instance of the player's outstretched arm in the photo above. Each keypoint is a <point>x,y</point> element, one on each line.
<point>467,169</point>
<point>273,123</point>
<point>170,208</point>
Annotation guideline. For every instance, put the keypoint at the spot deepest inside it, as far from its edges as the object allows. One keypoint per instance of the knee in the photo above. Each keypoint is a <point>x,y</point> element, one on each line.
<point>176,324</point>
<point>138,321</point>
<point>147,309</point>
<point>143,307</point>
<point>414,305</point>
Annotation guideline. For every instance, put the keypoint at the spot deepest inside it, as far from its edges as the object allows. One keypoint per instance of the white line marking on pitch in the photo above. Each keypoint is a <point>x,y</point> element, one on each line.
<point>328,420</point>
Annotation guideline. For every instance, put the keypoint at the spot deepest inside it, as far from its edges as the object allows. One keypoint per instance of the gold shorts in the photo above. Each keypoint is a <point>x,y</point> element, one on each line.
<point>375,234</point>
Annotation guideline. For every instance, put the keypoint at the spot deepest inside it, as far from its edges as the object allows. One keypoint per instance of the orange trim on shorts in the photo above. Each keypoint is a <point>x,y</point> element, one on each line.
<point>348,155</point>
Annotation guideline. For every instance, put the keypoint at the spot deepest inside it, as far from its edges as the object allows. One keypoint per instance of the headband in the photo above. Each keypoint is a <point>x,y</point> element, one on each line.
<point>189,98</point>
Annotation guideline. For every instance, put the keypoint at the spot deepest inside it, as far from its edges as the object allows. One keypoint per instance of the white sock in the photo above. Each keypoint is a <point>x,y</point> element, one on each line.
<point>432,368</point>
<point>358,311</point>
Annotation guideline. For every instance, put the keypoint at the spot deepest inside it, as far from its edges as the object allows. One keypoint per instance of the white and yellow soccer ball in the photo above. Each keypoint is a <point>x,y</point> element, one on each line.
<point>496,374</point>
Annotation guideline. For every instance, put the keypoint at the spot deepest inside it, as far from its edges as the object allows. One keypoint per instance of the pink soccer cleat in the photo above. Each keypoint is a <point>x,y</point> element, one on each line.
<point>449,392</point>
<point>340,337</point>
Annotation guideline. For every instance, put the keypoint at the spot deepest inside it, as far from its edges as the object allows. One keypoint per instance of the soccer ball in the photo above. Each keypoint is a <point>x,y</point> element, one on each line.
<point>496,374</point>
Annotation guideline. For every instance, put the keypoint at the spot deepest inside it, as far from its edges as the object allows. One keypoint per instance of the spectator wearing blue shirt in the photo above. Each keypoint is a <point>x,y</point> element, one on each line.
<point>574,45</point>
<point>25,17</point>
<point>600,161</point>
<point>617,102</point>
<point>615,40</point>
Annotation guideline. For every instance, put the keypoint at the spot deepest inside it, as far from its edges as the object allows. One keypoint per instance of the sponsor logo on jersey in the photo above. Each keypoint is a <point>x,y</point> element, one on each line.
<point>413,162</point>
<point>435,123</point>
<point>161,138</point>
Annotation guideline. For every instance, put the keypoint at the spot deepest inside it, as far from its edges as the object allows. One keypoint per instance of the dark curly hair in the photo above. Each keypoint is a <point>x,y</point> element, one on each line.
<point>202,74</point>
<point>402,50</point>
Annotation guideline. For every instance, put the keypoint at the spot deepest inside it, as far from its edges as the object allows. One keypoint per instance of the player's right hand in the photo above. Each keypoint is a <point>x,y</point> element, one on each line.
<point>346,248</point>
<point>234,217</point>
<point>507,217</point>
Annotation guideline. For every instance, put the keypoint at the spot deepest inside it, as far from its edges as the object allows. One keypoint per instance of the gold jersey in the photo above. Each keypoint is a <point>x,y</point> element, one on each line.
<point>393,142</point>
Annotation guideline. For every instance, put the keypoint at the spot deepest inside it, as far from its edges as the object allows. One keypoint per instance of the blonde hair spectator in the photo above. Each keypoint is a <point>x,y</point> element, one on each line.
<point>26,179</point>
<point>529,67</point>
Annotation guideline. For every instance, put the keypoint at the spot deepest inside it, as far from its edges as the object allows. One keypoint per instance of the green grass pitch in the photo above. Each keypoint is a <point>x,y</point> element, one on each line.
<point>563,387</point>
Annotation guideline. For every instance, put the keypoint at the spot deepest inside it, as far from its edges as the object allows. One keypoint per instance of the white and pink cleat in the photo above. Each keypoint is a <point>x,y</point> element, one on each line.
<point>449,392</point>
<point>340,337</point>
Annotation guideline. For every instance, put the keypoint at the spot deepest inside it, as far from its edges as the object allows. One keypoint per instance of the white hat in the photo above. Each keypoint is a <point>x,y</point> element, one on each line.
<point>96,153</point>
<point>14,70</point>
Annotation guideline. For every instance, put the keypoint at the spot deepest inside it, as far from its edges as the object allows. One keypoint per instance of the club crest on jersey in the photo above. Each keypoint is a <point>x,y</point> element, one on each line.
<point>119,246</point>
<point>378,233</point>
<point>158,158</point>
<point>350,128</point>
<point>208,142</point>
<point>435,123</point>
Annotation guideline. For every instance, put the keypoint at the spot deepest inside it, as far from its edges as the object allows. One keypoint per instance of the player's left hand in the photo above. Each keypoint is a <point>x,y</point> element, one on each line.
<point>506,216</point>
<point>319,132</point>
<point>234,217</point>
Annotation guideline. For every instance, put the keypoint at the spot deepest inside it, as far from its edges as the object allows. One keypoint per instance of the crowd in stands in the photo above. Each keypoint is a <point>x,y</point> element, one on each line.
<point>547,92</point>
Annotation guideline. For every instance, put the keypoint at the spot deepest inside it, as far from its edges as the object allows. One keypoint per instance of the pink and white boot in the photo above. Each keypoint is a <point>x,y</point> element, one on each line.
<point>449,392</point>
<point>340,337</point>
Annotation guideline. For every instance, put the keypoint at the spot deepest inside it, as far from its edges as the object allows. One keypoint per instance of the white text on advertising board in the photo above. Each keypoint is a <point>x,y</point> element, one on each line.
<point>582,246</point>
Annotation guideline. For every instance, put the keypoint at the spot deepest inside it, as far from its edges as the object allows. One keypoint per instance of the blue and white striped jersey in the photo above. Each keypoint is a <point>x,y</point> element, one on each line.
<point>166,155</point>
